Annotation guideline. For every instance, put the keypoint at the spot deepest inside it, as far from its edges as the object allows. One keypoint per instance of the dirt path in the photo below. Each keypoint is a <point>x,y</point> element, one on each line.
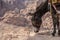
<point>44,37</point>
<point>12,32</point>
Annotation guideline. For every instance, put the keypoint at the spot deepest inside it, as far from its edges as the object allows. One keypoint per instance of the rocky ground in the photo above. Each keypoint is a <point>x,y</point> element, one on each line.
<point>13,32</point>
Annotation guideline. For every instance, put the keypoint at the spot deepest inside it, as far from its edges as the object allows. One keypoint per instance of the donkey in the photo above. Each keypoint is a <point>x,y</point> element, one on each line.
<point>36,17</point>
<point>40,11</point>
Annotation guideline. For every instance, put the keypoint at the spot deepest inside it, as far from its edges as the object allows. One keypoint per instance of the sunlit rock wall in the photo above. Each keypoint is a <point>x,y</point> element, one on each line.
<point>16,12</point>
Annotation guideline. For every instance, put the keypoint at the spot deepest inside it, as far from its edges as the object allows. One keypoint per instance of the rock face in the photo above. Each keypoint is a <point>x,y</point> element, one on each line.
<point>16,12</point>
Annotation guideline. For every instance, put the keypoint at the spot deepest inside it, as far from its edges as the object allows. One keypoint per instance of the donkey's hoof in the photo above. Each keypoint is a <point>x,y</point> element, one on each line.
<point>36,31</point>
<point>59,34</point>
<point>53,34</point>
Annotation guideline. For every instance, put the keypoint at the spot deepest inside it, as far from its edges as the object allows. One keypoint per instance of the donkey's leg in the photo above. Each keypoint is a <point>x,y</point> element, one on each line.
<point>54,31</point>
<point>54,25</point>
<point>58,26</point>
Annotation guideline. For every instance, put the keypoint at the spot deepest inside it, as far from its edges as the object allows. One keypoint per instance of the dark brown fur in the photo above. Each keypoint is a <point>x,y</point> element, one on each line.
<point>40,11</point>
